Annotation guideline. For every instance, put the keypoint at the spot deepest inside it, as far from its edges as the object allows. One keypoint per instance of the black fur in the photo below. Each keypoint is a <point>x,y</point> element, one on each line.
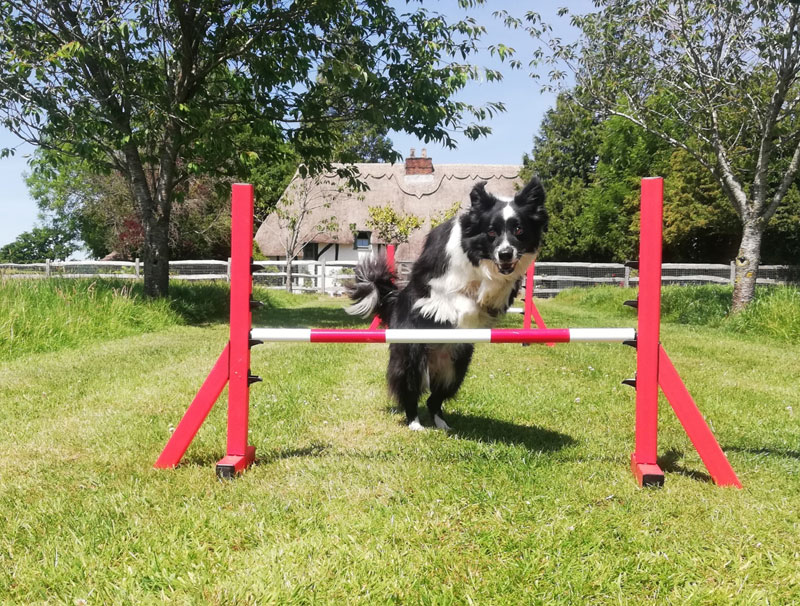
<point>447,288</point>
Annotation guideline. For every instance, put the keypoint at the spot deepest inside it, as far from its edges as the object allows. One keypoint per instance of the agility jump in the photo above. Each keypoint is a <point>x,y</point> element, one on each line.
<point>653,366</point>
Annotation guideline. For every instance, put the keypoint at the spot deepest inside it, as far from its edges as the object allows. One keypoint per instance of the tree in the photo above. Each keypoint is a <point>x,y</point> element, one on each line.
<point>99,209</point>
<point>564,156</point>
<point>299,221</point>
<point>391,226</point>
<point>716,79</point>
<point>37,245</point>
<point>160,90</point>
<point>364,142</point>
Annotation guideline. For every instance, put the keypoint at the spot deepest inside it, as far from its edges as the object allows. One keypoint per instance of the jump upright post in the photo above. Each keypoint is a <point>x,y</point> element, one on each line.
<point>653,366</point>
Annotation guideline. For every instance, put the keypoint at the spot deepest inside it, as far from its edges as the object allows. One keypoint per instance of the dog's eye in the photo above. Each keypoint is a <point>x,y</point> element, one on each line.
<point>491,233</point>
<point>518,231</point>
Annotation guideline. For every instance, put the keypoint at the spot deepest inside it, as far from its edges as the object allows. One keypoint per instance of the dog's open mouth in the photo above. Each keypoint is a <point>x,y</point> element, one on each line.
<point>507,267</point>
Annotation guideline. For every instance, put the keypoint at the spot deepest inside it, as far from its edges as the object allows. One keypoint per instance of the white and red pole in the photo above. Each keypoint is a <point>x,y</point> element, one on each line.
<point>444,335</point>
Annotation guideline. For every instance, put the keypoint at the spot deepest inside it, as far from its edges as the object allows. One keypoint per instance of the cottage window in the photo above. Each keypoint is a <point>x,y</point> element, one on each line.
<point>311,251</point>
<point>362,240</point>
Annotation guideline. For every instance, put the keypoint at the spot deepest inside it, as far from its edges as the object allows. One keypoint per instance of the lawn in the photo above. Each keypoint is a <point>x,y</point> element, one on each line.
<point>529,500</point>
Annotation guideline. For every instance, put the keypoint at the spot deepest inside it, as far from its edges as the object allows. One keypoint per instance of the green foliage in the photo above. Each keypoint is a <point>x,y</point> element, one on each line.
<point>448,213</point>
<point>161,91</point>
<point>592,167</point>
<point>775,312</point>
<point>719,81</point>
<point>38,245</point>
<point>391,226</point>
<point>700,224</point>
<point>99,209</point>
<point>364,142</point>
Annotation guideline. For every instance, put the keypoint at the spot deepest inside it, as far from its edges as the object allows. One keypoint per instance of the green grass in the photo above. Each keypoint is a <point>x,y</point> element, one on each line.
<point>51,315</point>
<point>528,501</point>
<point>775,312</point>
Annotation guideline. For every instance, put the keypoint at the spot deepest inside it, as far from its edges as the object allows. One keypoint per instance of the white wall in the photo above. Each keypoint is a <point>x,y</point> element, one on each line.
<point>346,252</point>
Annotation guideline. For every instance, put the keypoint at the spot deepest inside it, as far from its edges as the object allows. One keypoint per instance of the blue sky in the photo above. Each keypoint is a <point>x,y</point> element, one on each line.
<point>512,134</point>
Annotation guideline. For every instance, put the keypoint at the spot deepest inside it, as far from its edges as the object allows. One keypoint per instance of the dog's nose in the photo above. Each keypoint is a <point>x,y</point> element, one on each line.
<point>505,255</point>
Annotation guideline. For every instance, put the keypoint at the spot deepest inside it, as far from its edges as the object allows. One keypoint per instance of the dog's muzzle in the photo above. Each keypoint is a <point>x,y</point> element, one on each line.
<point>506,260</point>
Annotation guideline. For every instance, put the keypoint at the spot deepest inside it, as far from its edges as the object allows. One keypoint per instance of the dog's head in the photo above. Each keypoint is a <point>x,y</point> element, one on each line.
<point>503,229</point>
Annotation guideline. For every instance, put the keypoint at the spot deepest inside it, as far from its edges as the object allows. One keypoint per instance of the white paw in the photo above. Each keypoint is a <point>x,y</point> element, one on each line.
<point>440,423</point>
<point>415,425</point>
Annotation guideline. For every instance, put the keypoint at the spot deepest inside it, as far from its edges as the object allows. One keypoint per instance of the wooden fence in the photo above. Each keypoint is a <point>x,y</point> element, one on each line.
<point>330,277</point>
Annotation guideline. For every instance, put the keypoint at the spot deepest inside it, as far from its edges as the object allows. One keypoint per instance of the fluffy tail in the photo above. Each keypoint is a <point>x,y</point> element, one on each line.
<point>374,290</point>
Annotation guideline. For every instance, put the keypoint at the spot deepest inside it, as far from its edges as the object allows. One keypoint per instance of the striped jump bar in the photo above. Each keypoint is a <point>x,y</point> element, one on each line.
<point>445,335</point>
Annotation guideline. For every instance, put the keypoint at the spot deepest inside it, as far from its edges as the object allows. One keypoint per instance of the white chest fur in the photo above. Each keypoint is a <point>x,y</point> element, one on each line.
<point>469,296</point>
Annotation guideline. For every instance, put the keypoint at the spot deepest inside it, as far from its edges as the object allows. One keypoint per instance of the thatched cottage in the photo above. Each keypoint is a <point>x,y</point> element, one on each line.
<point>335,219</point>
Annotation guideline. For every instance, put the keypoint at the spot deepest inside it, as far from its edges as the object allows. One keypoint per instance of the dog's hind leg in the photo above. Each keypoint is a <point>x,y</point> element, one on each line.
<point>407,376</point>
<point>447,375</point>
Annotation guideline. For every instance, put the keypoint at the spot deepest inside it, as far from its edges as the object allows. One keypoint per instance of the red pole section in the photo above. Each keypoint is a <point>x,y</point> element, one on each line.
<point>241,291</point>
<point>526,319</point>
<point>530,306</point>
<point>196,413</point>
<point>643,459</point>
<point>695,425</point>
<point>390,248</point>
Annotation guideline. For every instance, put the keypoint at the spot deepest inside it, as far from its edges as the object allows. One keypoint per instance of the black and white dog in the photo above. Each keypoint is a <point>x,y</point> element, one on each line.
<point>469,272</point>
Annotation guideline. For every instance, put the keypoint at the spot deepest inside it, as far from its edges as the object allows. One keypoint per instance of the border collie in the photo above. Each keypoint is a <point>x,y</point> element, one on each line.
<point>469,272</point>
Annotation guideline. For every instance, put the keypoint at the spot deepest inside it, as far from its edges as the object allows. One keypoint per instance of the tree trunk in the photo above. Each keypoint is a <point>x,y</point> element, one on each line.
<point>155,253</point>
<point>155,207</point>
<point>747,263</point>
<point>289,274</point>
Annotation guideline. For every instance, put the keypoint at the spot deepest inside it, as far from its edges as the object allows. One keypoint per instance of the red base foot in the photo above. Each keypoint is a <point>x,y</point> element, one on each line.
<point>647,474</point>
<point>229,465</point>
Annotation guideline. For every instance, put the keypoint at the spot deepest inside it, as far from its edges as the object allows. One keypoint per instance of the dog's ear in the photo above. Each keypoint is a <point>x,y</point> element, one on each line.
<point>531,198</point>
<point>478,195</point>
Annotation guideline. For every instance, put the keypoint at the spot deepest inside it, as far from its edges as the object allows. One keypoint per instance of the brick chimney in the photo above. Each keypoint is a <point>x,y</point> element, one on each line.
<point>419,166</point>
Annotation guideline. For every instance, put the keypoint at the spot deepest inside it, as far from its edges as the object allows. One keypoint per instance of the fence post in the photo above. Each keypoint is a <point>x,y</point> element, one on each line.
<point>733,273</point>
<point>322,277</point>
<point>228,271</point>
<point>47,268</point>
<point>136,268</point>
<point>627,282</point>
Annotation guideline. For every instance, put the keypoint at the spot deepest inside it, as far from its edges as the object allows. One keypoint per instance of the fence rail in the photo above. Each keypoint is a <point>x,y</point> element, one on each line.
<point>330,277</point>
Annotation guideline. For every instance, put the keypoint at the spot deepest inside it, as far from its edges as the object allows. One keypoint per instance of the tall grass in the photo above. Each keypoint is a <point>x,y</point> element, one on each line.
<point>49,315</point>
<point>38,316</point>
<point>775,313</point>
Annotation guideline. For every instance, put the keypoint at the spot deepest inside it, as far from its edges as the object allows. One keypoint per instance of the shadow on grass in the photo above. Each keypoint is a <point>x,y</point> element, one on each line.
<point>200,303</point>
<point>306,317</point>
<point>265,458</point>
<point>668,462</point>
<point>205,303</point>
<point>486,429</point>
<point>771,452</point>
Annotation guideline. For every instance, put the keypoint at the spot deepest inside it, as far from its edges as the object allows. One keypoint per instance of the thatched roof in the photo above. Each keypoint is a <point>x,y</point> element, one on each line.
<point>389,184</point>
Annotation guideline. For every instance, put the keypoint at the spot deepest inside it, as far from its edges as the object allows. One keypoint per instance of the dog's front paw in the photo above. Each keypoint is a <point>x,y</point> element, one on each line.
<point>441,423</point>
<point>415,425</point>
